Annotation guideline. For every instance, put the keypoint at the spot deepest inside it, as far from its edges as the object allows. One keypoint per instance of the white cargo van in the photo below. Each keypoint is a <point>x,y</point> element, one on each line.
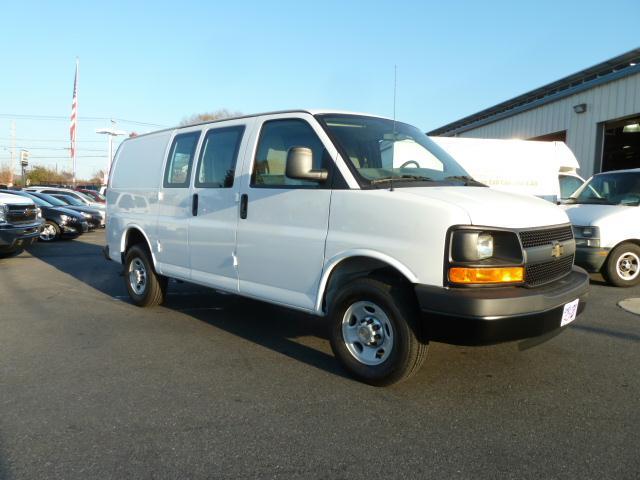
<point>544,169</point>
<point>358,218</point>
<point>605,214</point>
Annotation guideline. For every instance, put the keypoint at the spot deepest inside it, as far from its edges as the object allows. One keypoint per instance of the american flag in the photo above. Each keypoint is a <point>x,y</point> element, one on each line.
<point>74,114</point>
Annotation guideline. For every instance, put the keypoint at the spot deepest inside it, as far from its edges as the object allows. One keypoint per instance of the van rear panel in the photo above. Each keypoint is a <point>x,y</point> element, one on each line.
<point>138,163</point>
<point>132,196</point>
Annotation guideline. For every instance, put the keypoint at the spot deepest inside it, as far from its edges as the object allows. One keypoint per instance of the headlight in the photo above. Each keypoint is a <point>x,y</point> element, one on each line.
<point>64,218</point>
<point>3,213</point>
<point>586,236</point>
<point>484,257</point>
<point>484,246</point>
<point>86,215</point>
<point>473,246</point>
<point>39,210</point>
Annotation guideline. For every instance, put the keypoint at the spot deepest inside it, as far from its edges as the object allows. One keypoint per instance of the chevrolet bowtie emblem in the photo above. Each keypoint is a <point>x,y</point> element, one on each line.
<point>557,250</point>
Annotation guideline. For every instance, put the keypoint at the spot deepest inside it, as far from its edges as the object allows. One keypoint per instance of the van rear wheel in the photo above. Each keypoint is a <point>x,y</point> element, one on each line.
<point>146,288</point>
<point>375,332</point>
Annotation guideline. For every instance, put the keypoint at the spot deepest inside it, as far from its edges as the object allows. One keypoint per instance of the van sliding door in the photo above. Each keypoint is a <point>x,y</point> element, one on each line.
<point>174,206</point>
<point>214,200</point>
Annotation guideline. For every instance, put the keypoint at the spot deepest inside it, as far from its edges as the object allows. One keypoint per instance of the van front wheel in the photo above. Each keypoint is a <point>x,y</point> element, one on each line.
<point>146,288</point>
<point>623,265</point>
<point>374,332</point>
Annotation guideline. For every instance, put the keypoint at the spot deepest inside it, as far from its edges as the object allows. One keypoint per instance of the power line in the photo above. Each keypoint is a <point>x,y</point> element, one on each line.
<point>90,119</point>
<point>49,140</point>
<point>54,156</point>
<point>24,147</point>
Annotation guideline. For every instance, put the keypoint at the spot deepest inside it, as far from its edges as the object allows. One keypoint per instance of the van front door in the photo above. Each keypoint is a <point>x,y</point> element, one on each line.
<point>174,207</point>
<point>215,193</point>
<point>283,222</point>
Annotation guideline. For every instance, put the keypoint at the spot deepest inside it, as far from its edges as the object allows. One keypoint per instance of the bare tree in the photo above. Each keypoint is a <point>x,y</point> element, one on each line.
<point>97,178</point>
<point>5,174</point>
<point>209,116</point>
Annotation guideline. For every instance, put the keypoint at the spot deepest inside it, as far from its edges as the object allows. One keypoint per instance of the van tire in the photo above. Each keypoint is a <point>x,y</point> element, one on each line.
<point>146,288</point>
<point>622,268</point>
<point>367,306</point>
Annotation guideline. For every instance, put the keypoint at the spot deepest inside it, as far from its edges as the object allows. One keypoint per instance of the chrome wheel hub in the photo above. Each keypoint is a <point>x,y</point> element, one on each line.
<point>370,331</point>
<point>48,233</point>
<point>367,333</point>
<point>137,276</point>
<point>628,266</point>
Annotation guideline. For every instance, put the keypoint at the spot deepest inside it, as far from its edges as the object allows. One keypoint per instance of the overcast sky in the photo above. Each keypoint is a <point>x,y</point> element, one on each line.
<point>158,62</point>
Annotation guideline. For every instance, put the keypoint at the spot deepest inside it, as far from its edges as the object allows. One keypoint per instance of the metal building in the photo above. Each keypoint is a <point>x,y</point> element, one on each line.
<point>595,111</point>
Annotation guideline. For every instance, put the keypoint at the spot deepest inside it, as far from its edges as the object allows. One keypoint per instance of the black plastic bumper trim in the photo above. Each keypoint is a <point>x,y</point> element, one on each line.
<point>488,316</point>
<point>591,258</point>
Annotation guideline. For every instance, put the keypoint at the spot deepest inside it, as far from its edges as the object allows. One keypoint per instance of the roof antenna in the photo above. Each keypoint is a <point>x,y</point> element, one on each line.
<point>395,85</point>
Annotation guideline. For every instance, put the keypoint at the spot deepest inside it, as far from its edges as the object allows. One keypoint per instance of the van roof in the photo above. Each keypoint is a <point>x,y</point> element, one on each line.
<point>310,111</point>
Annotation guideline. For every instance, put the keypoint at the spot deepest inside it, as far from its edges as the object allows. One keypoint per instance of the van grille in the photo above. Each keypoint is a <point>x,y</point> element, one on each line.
<point>541,273</point>
<point>537,238</point>
<point>22,213</point>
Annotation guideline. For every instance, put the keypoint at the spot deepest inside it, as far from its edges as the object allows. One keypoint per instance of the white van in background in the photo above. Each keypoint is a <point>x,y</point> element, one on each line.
<point>605,214</point>
<point>311,211</point>
<point>544,169</point>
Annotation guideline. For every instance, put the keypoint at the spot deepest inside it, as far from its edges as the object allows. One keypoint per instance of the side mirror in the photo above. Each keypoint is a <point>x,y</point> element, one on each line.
<point>300,165</point>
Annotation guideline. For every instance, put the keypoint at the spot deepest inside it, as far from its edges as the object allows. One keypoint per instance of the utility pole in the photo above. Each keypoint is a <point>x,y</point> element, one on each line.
<point>13,151</point>
<point>110,132</point>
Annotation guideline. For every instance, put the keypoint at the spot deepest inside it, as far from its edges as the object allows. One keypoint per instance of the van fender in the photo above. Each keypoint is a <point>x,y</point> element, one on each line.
<point>125,235</point>
<point>337,259</point>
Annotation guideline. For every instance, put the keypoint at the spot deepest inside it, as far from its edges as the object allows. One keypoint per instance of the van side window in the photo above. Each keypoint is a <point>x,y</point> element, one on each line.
<point>217,164</point>
<point>276,138</point>
<point>178,169</point>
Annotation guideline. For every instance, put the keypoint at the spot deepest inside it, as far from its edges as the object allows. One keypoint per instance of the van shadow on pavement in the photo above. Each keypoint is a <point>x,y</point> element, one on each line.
<point>5,473</point>
<point>270,326</point>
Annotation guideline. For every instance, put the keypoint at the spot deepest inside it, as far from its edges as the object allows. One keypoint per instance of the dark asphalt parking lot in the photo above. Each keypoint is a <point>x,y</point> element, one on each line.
<point>213,386</point>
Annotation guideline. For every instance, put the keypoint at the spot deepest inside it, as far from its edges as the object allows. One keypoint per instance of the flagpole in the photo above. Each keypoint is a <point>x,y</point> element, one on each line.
<point>76,120</point>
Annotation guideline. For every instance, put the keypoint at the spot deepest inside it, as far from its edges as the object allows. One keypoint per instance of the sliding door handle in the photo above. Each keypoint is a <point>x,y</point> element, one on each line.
<point>244,205</point>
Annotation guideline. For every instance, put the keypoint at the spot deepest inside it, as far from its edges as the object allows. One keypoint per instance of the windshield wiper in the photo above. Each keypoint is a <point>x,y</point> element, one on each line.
<point>402,178</point>
<point>468,181</point>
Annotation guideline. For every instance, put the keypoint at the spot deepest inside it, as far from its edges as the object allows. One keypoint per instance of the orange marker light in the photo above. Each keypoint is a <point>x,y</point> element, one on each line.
<point>486,275</point>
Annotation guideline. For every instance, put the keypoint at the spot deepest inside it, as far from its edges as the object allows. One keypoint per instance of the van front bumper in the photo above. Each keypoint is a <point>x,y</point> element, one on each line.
<point>486,316</point>
<point>591,258</point>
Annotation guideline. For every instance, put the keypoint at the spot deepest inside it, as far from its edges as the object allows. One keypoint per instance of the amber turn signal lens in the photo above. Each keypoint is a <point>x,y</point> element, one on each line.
<point>486,275</point>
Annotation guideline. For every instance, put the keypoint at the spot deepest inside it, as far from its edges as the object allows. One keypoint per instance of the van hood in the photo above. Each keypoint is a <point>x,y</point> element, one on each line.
<point>598,215</point>
<point>9,199</point>
<point>494,208</point>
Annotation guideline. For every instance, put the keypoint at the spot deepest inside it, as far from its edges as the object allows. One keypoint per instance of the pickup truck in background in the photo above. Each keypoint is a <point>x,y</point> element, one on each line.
<point>20,223</point>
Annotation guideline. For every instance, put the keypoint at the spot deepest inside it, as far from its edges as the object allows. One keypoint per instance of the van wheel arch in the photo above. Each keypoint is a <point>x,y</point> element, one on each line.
<point>352,268</point>
<point>134,236</point>
<point>634,241</point>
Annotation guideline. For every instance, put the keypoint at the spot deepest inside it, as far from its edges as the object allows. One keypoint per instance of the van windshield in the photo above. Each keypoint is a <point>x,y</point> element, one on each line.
<point>384,151</point>
<point>616,188</point>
